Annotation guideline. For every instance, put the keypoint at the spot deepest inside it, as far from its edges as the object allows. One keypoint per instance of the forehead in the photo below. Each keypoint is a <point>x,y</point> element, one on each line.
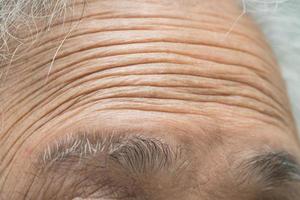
<point>152,72</point>
<point>147,167</point>
<point>123,51</point>
<point>115,57</point>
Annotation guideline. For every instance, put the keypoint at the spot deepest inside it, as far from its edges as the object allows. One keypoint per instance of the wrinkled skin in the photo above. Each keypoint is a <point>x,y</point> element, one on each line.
<point>182,71</point>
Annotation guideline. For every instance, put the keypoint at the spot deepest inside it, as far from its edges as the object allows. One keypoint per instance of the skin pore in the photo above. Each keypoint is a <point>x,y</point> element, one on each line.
<point>146,99</point>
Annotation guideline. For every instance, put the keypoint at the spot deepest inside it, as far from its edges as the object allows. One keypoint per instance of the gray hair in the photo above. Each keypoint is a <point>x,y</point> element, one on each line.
<point>17,15</point>
<point>20,16</point>
<point>279,20</point>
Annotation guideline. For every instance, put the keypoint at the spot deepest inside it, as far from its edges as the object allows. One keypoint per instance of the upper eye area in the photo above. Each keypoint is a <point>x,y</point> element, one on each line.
<point>196,93</point>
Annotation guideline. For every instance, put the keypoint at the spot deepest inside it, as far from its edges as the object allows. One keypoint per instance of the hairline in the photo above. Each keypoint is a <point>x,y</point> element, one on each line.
<point>14,13</point>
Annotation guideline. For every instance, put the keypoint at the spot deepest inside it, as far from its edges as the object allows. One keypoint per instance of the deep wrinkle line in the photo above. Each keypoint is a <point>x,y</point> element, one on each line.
<point>105,15</point>
<point>87,59</point>
<point>74,102</point>
<point>14,155</point>
<point>9,164</point>
<point>110,108</point>
<point>247,126</point>
<point>232,105</point>
<point>37,128</point>
<point>24,116</point>
<point>205,95</point>
<point>69,82</point>
<point>150,27</point>
<point>154,42</point>
<point>281,119</point>
<point>173,41</point>
<point>154,85</point>
<point>198,58</point>
<point>52,109</point>
<point>151,62</point>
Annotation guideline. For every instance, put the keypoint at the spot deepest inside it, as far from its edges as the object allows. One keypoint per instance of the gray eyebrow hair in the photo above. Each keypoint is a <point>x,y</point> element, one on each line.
<point>109,163</point>
<point>136,153</point>
<point>278,175</point>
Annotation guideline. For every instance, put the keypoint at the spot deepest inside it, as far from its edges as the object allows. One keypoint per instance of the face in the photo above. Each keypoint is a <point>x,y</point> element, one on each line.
<point>147,99</point>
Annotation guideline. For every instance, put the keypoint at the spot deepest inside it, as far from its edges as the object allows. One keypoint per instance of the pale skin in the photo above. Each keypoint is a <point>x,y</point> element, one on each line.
<point>185,72</point>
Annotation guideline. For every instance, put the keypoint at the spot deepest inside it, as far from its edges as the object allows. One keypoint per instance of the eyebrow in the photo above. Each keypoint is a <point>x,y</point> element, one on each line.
<point>138,155</point>
<point>277,173</point>
<point>111,161</point>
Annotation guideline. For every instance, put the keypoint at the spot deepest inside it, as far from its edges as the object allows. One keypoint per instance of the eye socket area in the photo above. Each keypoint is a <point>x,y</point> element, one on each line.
<point>133,167</point>
<point>274,175</point>
<point>112,166</point>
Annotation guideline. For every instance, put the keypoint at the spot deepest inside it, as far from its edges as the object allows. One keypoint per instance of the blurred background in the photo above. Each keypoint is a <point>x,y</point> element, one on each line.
<point>280,21</point>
